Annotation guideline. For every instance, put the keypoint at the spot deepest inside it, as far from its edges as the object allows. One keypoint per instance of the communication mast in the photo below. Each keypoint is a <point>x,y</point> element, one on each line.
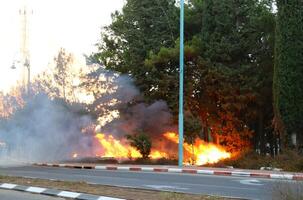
<point>24,14</point>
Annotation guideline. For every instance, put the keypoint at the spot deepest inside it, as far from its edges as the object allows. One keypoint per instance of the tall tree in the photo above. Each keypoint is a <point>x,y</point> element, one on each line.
<point>227,68</point>
<point>62,71</point>
<point>288,73</point>
<point>228,57</point>
<point>142,27</point>
<point>58,81</point>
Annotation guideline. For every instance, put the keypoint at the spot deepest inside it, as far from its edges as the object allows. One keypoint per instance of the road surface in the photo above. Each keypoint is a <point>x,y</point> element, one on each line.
<point>13,195</point>
<point>243,187</point>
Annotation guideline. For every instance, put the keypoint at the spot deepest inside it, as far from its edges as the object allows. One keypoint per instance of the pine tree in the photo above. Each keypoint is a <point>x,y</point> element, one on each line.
<point>288,73</point>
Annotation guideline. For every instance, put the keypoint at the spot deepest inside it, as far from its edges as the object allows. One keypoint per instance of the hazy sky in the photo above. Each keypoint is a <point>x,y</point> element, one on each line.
<point>72,24</point>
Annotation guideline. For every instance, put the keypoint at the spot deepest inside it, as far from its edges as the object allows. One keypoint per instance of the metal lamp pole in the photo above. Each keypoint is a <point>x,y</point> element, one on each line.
<point>25,64</point>
<point>181,92</point>
<point>28,67</point>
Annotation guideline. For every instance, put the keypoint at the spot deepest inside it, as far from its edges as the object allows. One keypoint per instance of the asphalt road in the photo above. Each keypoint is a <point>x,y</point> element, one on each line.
<point>243,187</point>
<point>13,195</point>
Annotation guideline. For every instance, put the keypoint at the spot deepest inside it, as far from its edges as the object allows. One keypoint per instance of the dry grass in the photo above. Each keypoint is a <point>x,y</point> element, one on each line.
<point>119,192</point>
<point>288,191</point>
<point>288,161</point>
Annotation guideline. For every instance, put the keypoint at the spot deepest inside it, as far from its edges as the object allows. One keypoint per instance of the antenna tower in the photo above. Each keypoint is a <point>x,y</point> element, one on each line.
<point>24,14</point>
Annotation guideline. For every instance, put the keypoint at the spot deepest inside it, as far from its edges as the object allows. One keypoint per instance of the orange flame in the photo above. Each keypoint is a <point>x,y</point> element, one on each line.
<point>120,149</point>
<point>200,152</point>
<point>115,148</point>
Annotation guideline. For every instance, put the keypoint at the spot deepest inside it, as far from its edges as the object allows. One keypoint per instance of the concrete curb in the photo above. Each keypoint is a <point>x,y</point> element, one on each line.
<point>221,172</point>
<point>55,193</point>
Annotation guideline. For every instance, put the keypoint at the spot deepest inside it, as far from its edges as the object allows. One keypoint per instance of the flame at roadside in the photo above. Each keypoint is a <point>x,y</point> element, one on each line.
<point>200,153</point>
<point>120,149</point>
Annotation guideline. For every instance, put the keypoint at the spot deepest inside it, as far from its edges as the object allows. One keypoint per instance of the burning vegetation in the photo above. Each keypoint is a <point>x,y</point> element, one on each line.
<point>77,135</point>
<point>105,127</point>
<point>121,149</point>
<point>123,103</point>
<point>199,153</point>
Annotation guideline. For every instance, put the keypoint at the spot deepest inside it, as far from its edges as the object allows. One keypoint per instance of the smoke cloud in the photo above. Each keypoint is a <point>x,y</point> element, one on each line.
<point>152,119</point>
<point>44,130</point>
<point>48,130</point>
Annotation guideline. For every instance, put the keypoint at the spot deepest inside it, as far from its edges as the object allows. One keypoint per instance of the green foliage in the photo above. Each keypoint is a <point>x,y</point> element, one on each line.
<point>192,128</point>
<point>142,143</point>
<point>288,77</point>
<point>228,65</point>
<point>142,28</point>
<point>228,57</point>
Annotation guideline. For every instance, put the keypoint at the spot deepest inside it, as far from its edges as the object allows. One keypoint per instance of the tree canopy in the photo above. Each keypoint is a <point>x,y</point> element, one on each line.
<point>228,55</point>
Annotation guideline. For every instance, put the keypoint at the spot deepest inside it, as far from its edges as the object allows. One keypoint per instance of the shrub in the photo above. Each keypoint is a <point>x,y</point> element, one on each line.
<point>142,143</point>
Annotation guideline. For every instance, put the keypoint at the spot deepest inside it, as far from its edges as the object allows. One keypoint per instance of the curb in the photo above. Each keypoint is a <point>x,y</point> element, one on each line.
<point>54,193</point>
<point>235,173</point>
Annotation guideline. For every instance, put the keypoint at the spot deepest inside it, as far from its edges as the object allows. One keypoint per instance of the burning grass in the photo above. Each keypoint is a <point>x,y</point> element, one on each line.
<point>120,149</point>
<point>199,153</point>
<point>118,192</point>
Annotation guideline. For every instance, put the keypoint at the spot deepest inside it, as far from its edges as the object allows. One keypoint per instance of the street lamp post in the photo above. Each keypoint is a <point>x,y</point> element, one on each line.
<point>181,84</point>
<point>28,67</point>
<point>26,64</point>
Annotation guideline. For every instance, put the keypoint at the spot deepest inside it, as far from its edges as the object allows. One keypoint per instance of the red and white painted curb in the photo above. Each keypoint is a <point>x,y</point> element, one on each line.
<point>218,172</point>
<point>54,192</point>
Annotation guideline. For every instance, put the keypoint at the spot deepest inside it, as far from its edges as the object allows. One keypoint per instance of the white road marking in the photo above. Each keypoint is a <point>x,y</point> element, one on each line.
<point>123,168</point>
<point>108,198</point>
<point>168,187</point>
<point>35,189</point>
<point>175,170</point>
<point>282,176</point>
<point>7,186</point>
<point>101,167</point>
<point>251,182</point>
<point>202,171</point>
<point>147,169</point>
<point>68,194</point>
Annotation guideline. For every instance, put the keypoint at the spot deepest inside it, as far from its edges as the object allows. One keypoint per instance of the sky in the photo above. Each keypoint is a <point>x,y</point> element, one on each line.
<point>72,24</point>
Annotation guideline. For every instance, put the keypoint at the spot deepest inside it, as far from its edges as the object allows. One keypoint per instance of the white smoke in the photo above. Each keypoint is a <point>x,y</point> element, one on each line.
<point>44,130</point>
<point>48,130</point>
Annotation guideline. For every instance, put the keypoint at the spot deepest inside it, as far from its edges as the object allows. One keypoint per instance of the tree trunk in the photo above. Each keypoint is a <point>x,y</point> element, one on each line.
<point>261,133</point>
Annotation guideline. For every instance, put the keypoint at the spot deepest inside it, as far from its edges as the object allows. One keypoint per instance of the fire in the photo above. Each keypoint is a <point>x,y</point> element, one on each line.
<point>120,149</point>
<point>155,154</point>
<point>200,152</point>
<point>115,148</point>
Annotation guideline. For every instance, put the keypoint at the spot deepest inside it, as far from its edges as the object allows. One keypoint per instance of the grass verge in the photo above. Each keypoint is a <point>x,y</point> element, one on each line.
<point>288,191</point>
<point>118,192</point>
<point>288,161</point>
